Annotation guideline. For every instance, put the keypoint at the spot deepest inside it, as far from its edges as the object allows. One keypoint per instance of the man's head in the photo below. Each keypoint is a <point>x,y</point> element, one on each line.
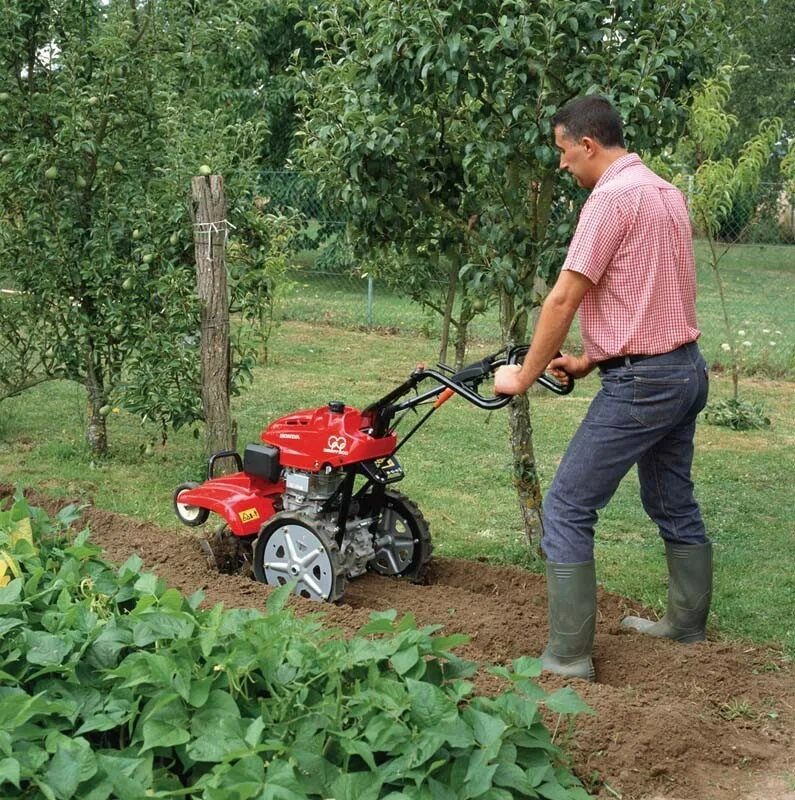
<point>590,136</point>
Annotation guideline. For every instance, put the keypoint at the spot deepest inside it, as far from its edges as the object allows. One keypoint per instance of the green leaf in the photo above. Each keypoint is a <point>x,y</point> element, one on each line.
<point>154,625</point>
<point>380,622</point>
<point>363,651</point>
<point>8,623</point>
<point>359,748</point>
<point>457,733</point>
<point>442,644</point>
<point>552,790</point>
<point>73,763</point>
<point>567,701</point>
<point>281,783</point>
<point>429,704</point>
<point>45,649</point>
<point>163,733</point>
<point>512,777</point>
<point>146,668</point>
<point>17,707</point>
<point>356,786</point>
<point>404,660</point>
<point>479,774</point>
<point>115,712</point>
<point>10,594</point>
<point>277,599</point>
<point>200,691</point>
<point>385,734</point>
<point>439,791</point>
<point>146,584</point>
<point>254,731</point>
<point>132,566</point>
<point>105,650</point>
<point>163,723</point>
<point>243,780</point>
<point>9,771</point>
<point>527,666</point>
<point>487,728</point>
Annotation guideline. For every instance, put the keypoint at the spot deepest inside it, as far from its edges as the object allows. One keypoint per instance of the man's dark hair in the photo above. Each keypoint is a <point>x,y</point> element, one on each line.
<point>591,116</point>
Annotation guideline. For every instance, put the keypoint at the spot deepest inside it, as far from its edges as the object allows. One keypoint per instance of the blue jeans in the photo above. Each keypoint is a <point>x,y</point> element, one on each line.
<point>644,414</point>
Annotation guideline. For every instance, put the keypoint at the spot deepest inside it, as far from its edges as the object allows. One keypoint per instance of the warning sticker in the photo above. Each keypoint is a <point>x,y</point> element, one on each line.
<point>248,515</point>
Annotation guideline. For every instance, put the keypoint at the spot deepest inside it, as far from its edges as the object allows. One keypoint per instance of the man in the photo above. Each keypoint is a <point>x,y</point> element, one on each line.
<point>630,273</point>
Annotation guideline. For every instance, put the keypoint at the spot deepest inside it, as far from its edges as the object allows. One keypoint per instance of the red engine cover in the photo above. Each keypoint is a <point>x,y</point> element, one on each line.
<point>312,439</point>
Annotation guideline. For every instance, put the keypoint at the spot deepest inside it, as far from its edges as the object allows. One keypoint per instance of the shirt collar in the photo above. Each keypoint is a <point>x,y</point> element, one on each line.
<point>620,164</point>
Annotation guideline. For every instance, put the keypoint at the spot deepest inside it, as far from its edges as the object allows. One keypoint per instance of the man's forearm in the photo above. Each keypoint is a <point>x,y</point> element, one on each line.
<point>550,332</point>
<point>553,324</point>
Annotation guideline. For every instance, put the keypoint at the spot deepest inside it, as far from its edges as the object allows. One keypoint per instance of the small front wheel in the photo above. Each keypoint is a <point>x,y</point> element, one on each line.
<point>189,515</point>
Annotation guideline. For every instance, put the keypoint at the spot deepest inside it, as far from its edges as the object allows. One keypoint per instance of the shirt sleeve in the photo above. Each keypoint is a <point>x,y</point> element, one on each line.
<point>598,236</point>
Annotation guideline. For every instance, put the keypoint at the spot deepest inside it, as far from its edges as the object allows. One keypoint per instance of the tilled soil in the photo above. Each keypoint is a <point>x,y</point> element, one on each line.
<point>702,722</point>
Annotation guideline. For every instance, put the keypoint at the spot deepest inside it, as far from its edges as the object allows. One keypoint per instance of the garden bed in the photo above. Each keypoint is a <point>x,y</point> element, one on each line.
<point>708,721</point>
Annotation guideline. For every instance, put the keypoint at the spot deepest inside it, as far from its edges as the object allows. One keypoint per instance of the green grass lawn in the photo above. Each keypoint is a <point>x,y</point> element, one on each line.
<point>458,470</point>
<point>760,289</point>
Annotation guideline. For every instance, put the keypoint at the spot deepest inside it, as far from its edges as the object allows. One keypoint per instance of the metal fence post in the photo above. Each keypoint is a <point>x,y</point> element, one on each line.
<point>369,301</point>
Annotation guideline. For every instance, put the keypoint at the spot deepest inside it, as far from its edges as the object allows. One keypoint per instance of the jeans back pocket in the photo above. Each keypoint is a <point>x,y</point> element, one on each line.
<point>658,402</point>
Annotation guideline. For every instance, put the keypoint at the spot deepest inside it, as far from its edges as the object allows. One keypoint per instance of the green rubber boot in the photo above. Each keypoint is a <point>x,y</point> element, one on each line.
<point>571,595</point>
<point>689,595</point>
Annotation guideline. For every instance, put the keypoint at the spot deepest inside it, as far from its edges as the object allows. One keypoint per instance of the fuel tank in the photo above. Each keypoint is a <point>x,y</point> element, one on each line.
<point>333,435</point>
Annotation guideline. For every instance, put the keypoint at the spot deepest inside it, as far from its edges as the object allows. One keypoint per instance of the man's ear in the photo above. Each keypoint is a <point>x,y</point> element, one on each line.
<point>589,145</point>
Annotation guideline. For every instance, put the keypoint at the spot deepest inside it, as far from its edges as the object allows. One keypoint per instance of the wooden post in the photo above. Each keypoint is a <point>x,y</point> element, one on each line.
<point>209,240</point>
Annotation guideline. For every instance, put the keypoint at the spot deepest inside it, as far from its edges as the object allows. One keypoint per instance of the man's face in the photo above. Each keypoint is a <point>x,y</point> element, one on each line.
<point>575,157</point>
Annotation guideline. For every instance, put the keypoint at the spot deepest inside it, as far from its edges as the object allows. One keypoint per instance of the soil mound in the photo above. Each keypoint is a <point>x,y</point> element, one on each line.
<point>703,722</point>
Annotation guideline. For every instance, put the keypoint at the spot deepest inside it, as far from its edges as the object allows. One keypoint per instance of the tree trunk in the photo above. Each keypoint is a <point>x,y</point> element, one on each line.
<point>97,431</point>
<point>525,474</point>
<point>452,285</point>
<point>515,331</point>
<point>462,338</point>
<point>209,217</point>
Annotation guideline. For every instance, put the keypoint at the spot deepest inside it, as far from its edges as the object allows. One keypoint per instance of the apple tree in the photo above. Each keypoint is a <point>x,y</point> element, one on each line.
<point>429,125</point>
<point>107,109</point>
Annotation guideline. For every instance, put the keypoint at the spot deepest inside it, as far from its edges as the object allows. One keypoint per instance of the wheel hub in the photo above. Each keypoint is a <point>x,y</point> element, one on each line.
<point>295,552</point>
<point>394,544</point>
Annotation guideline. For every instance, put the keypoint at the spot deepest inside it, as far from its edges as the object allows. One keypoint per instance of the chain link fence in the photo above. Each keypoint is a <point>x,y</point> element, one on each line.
<point>755,245</point>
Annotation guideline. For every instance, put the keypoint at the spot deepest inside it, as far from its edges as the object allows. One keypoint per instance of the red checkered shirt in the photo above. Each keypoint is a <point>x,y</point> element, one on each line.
<point>634,243</point>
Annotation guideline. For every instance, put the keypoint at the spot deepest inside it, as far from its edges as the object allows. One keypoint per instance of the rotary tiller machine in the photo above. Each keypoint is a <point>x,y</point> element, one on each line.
<point>313,503</point>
